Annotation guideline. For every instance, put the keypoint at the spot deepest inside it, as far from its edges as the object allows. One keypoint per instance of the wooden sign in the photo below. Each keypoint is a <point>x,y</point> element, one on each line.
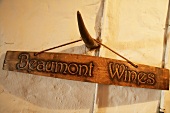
<point>87,69</point>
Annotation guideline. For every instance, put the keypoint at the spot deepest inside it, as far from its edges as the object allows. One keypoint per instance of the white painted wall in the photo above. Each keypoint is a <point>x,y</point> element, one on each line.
<point>134,28</point>
<point>33,26</point>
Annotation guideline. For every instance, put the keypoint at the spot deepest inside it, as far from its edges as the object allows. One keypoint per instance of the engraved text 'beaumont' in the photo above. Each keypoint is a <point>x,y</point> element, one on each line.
<point>72,68</point>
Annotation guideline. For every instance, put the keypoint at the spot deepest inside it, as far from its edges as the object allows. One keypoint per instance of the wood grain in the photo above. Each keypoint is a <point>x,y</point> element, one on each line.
<point>87,69</point>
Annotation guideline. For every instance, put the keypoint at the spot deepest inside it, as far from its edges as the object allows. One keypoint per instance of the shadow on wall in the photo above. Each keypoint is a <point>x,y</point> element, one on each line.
<point>53,93</point>
<point>49,92</point>
<point>111,96</point>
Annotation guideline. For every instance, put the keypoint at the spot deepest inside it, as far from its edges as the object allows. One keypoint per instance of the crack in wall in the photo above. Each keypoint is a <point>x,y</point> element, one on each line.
<point>161,107</point>
<point>98,29</point>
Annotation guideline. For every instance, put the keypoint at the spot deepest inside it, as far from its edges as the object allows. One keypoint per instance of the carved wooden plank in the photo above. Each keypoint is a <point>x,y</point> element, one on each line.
<point>88,69</point>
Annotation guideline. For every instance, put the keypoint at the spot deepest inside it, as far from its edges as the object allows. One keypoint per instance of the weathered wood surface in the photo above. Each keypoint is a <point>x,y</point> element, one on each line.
<point>88,69</point>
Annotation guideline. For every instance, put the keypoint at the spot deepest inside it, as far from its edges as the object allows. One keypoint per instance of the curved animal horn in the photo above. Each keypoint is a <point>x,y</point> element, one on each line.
<point>88,40</point>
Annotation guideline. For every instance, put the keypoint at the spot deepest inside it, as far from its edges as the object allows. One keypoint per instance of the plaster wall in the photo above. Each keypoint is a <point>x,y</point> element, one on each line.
<point>133,28</point>
<point>34,26</point>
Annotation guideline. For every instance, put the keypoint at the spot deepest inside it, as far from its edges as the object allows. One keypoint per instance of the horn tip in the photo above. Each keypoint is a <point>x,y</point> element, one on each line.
<point>78,13</point>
